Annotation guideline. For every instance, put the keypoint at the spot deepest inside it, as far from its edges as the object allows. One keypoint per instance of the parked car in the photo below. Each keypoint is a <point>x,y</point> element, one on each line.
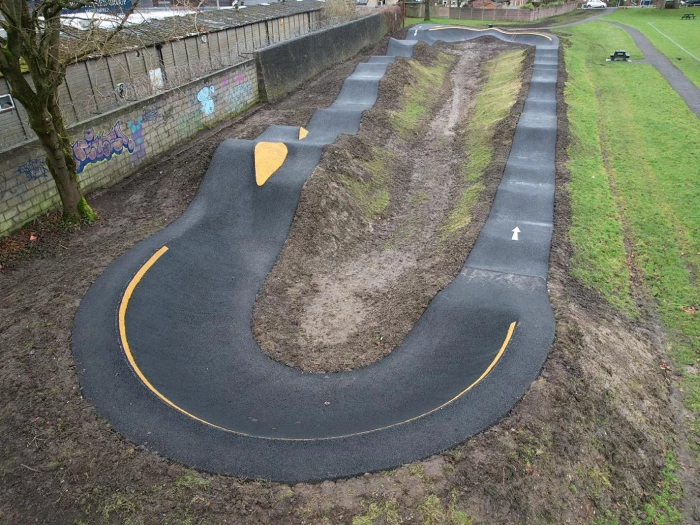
<point>596,4</point>
<point>693,3</point>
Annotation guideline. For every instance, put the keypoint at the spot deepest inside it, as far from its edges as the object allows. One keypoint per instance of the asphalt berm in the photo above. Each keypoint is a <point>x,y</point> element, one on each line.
<point>201,392</point>
<point>349,285</point>
<point>579,425</point>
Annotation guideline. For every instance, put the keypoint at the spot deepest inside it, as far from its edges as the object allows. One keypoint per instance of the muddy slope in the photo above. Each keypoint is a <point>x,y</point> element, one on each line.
<point>346,288</point>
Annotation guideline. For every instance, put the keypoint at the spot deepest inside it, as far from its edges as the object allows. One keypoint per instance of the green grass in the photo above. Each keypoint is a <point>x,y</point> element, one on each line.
<point>448,21</point>
<point>492,105</point>
<point>434,512</point>
<point>599,258</point>
<point>686,33</point>
<point>416,94</point>
<point>373,195</point>
<point>192,481</point>
<point>566,18</point>
<point>634,161</point>
<point>661,510</point>
<point>379,512</point>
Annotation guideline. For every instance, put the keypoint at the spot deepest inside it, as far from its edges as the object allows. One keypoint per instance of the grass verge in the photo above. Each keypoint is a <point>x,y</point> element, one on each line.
<point>493,103</point>
<point>566,18</point>
<point>417,95</point>
<point>449,21</point>
<point>600,259</point>
<point>634,194</point>
<point>373,194</point>
<point>675,38</point>
<point>372,191</point>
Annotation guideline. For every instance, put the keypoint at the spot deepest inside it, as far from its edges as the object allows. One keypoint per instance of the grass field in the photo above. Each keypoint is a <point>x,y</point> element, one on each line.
<point>634,165</point>
<point>566,18</point>
<point>448,21</point>
<point>678,39</point>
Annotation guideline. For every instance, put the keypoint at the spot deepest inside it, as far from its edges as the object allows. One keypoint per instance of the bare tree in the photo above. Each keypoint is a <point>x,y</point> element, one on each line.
<point>33,44</point>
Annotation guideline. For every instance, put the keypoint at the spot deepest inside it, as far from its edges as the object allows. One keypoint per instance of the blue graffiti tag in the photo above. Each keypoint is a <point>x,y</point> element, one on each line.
<point>152,115</point>
<point>239,97</point>
<point>34,169</point>
<point>204,97</point>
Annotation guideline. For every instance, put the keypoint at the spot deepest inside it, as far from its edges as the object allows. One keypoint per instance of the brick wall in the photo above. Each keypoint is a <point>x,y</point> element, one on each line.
<point>103,84</point>
<point>114,145</point>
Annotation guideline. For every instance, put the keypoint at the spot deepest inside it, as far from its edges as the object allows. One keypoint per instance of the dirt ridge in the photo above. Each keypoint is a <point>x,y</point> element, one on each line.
<point>346,289</point>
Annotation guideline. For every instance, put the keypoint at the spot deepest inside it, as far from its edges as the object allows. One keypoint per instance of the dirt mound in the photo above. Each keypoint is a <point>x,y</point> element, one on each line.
<point>366,252</point>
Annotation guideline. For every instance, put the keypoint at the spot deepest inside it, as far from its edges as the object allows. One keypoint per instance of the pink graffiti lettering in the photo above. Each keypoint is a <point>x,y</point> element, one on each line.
<point>96,148</point>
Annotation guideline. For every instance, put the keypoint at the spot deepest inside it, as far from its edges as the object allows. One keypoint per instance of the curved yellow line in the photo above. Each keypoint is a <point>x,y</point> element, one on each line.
<point>492,29</point>
<point>130,357</point>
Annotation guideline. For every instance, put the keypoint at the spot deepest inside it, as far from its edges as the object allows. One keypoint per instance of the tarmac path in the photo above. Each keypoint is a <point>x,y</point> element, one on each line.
<point>674,76</point>
<point>164,341</point>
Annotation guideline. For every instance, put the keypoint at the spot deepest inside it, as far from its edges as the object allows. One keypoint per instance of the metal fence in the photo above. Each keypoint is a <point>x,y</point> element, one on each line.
<point>100,85</point>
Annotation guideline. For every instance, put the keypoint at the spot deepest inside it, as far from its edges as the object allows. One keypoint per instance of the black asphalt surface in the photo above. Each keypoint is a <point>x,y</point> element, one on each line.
<point>188,322</point>
<point>674,76</point>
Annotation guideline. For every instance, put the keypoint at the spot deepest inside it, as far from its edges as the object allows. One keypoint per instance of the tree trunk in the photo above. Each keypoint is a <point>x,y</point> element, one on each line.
<point>427,11</point>
<point>52,133</point>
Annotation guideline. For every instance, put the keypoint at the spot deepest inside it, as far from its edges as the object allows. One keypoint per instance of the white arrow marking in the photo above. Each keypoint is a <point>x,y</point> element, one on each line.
<point>415,33</point>
<point>516,231</point>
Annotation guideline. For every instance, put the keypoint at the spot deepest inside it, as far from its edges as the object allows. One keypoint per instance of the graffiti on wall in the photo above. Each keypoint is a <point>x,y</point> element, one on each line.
<point>238,98</point>
<point>140,145</point>
<point>152,115</point>
<point>189,124</point>
<point>34,169</point>
<point>205,99</point>
<point>96,148</point>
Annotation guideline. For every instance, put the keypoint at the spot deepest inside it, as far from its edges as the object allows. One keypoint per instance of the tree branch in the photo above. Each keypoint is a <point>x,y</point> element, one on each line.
<point>100,43</point>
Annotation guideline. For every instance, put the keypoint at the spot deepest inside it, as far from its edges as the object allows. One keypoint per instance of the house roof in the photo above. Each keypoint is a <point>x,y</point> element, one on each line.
<point>158,31</point>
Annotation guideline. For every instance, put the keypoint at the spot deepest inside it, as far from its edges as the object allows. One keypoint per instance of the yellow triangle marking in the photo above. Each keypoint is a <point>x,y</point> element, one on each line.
<point>302,133</point>
<point>269,157</point>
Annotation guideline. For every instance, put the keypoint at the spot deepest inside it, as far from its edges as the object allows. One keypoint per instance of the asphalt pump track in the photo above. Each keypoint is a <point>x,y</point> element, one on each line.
<point>164,342</point>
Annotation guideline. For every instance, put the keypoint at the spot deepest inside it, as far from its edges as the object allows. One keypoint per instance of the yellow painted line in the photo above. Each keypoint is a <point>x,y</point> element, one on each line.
<point>303,133</point>
<point>269,157</point>
<point>124,305</point>
<point>492,29</point>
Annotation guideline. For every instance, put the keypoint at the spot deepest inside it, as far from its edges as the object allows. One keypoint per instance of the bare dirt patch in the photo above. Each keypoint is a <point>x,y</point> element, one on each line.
<point>587,439</point>
<point>347,288</point>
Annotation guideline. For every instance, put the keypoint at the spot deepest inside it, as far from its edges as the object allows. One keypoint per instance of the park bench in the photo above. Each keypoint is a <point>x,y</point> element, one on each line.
<point>688,16</point>
<point>620,54</point>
